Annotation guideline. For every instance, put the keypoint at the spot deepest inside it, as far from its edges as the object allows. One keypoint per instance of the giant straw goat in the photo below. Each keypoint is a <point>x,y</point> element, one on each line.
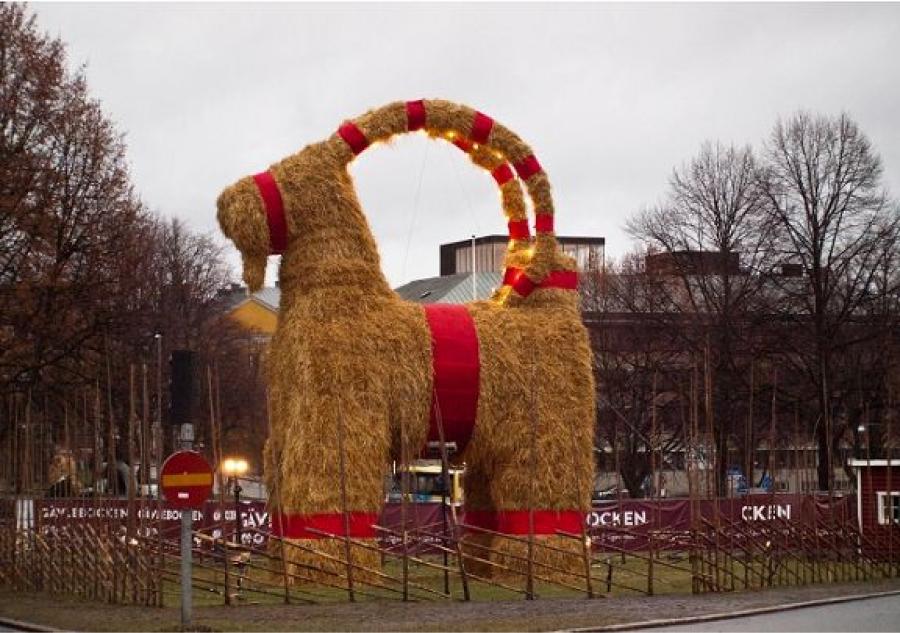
<point>358,376</point>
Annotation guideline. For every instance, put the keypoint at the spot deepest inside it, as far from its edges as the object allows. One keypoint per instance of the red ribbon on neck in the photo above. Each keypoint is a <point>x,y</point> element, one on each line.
<point>523,284</point>
<point>274,207</point>
<point>562,279</point>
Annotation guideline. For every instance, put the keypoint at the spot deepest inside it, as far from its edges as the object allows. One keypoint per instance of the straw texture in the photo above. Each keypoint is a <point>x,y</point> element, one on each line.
<point>350,364</point>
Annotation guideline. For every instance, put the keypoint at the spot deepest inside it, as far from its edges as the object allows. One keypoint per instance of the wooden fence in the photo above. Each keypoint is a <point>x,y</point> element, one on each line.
<point>93,549</point>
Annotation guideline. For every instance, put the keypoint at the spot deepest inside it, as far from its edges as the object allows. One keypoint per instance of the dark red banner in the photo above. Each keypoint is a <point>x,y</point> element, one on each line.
<point>611,525</point>
<point>629,524</point>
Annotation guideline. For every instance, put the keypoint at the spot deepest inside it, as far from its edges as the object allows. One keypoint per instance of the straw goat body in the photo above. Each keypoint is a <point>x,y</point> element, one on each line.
<point>350,364</point>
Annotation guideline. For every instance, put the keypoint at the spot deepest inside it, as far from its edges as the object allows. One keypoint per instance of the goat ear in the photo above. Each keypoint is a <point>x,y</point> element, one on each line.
<point>254,270</point>
<point>243,221</point>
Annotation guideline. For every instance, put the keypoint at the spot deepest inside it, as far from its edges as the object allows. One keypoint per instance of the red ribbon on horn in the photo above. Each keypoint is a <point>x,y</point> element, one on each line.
<point>518,229</point>
<point>502,174</point>
<point>543,223</point>
<point>528,167</point>
<point>415,115</point>
<point>353,137</point>
<point>481,127</point>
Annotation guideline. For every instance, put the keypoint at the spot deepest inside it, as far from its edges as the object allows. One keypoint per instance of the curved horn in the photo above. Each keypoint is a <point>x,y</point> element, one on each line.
<point>493,147</point>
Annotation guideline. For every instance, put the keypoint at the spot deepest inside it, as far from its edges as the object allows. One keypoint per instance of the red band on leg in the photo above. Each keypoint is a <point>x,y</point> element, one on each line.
<point>353,137</point>
<point>481,127</point>
<point>415,115</point>
<point>517,522</point>
<point>518,229</point>
<point>274,207</point>
<point>502,174</point>
<point>543,223</point>
<point>528,167</point>
<point>297,526</point>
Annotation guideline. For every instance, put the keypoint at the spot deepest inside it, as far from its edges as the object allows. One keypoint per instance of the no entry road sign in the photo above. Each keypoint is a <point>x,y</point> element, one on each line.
<point>186,479</point>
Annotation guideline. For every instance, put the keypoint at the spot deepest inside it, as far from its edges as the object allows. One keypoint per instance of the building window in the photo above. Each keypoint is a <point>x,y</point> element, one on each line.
<point>842,484</point>
<point>888,511</point>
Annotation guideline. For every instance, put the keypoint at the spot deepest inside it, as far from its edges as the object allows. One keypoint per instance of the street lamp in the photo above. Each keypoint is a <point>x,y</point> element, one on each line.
<point>233,468</point>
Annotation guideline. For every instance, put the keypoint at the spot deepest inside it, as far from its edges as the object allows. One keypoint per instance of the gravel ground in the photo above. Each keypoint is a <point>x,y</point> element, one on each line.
<point>519,615</point>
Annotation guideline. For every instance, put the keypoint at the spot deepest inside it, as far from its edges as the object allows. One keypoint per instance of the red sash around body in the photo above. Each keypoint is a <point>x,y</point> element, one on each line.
<point>455,366</point>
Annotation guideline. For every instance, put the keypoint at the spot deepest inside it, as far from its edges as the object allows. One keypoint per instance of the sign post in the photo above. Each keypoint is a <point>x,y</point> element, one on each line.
<point>186,480</point>
<point>186,565</point>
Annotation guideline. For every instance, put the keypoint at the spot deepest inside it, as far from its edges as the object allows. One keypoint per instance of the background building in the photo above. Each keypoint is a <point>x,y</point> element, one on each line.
<point>489,251</point>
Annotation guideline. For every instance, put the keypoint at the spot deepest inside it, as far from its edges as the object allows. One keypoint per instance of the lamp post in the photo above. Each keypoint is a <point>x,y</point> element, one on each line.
<point>233,468</point>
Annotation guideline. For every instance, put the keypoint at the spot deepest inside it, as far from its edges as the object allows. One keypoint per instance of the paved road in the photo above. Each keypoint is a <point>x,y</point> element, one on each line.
<point>875,614</point>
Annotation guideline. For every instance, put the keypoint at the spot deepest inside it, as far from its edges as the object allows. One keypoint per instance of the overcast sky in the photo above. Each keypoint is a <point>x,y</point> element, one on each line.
<point>610,96</point>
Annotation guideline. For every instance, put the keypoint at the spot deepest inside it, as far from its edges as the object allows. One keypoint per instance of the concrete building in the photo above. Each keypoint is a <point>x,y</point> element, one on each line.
<point>485,254</point>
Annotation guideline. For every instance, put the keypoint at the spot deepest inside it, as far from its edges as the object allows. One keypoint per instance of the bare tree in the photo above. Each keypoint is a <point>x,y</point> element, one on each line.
<point>637,359</point>
<point>68,212</point>
<point>823,193</point>
<point>709,237</point>
<point>87,274</point>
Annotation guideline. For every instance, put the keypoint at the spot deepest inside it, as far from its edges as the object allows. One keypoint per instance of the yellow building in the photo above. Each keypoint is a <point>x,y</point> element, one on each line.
<point>258,312</point>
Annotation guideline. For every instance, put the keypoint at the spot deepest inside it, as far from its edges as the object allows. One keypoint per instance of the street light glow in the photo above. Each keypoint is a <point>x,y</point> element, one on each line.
<point>234,466</point>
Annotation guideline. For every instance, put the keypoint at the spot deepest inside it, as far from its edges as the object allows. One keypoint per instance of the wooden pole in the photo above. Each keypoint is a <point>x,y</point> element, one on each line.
<point>714,450</point>
<point>771,461</point>
<point>580,484</point>
<point>145,485</point>
<point>532,449</point>
<point>217,477</point>
<point>693,483</point>
<point>748,439</point>
<point>404,504</point>
<point>343,474</point>
<point>9,456</point>
<point>45,446</point>
<point>686,448</point>
<point>445,466</point>
<point>145,436</point>
<point>654,483</point>
<point>29,447</point>
<point>889,445</point>
<point>17,466</point>
<point>112,481</point>
<point>618,473</point>
<point>132,414</point>
<point>798,474</point>
<point>159,440</point>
